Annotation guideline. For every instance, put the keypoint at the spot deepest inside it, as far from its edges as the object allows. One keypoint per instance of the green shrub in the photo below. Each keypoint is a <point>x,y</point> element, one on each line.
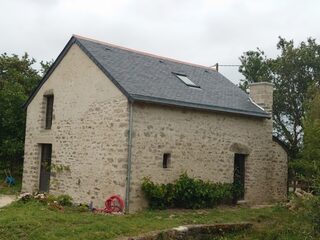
<point>188,192</point>
<point>225,192</point>
<point>159,196</point>
<point>237,191</point>
<point>314,213</point>
<point>308,208</point>
<point>51,198</point>
<point>64,200</point>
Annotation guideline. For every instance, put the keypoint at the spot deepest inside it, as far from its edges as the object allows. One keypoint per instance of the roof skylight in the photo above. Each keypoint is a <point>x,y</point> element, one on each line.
<point>186,80</point>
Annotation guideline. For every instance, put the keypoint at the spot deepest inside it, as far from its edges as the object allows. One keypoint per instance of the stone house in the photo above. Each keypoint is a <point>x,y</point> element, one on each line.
<point>104,117</point>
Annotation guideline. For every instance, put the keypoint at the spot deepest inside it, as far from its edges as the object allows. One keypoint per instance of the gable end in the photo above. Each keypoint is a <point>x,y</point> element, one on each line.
<point>65,50</point>
<point>105,71</point>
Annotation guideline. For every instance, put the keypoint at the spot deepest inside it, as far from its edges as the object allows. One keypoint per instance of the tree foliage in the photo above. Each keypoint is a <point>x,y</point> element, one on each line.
<point>308,166</point>
<point>292,72</point>
<point>255,68</point>
<point>17,79</point>
<point>311,141</point>
<point>45,66</point>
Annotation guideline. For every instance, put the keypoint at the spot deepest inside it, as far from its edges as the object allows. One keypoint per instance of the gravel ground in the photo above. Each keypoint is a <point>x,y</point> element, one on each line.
<point>6,200</point>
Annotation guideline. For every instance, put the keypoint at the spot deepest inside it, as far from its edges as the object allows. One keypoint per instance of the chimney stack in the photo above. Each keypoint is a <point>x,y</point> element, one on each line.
<point>262,94</point>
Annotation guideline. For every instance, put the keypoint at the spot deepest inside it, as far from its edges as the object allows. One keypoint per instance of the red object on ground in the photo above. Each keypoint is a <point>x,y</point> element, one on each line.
<point>114,204</point>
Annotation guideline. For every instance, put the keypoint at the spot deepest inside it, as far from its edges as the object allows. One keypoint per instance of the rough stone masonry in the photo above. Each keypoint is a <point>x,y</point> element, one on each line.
<point>89,138</point>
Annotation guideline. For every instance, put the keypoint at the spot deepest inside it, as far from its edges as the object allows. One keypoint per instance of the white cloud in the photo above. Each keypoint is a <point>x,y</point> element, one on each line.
<point>199,31</point>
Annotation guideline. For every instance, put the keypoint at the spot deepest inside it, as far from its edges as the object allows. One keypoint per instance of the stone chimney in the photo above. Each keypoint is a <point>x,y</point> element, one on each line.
<point>262,94</point>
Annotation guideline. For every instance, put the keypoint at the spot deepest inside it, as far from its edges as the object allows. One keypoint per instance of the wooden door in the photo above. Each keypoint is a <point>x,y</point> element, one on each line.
<point>45,169</point>
<point>239,174</point>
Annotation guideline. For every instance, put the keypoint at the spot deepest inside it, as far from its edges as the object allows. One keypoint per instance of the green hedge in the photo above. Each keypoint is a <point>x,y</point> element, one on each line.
<point>188,192</point>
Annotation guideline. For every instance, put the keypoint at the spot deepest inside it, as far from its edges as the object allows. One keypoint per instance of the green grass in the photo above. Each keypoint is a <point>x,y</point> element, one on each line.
<point>34,220</point>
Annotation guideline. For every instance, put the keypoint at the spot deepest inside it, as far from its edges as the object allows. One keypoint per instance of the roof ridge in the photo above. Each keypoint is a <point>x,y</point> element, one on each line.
<point>142,52</point>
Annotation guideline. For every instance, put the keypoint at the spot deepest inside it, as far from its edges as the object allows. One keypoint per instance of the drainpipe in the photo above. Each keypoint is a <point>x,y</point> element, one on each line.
<point>129,158</point>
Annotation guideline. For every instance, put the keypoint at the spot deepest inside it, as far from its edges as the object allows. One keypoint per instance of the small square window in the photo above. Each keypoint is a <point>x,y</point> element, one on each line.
<point>166,160</point>
<point>186,80</point>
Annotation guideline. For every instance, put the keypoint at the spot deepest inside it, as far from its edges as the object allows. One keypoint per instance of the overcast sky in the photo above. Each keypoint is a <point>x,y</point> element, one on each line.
<point>197,31</point>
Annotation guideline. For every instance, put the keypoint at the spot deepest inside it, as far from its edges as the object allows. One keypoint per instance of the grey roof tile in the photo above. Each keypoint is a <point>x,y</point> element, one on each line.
<point>150,78</point>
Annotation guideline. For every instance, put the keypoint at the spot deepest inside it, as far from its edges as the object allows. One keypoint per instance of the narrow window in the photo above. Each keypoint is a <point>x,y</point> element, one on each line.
<point>49,111</point>
<point>166,160</point>
<point>186,80</point>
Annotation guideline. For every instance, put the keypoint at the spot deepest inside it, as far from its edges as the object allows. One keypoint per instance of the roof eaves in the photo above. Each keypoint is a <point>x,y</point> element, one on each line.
<point>162,101</point>
<point>49,72</point>
<point>104,70</point>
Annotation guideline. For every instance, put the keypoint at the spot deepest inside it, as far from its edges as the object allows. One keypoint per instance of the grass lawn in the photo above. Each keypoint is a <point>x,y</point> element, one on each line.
<point>15,189</point>
<point>5,189</point>
<point>34,220</point>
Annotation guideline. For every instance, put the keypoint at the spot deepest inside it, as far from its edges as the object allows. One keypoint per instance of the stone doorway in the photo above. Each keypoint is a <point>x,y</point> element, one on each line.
<point>45,167</point>
<point>239,175</point>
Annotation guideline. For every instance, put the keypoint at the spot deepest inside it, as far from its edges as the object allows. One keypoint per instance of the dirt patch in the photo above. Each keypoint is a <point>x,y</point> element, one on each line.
<point>6,200</point>
<point>204,231</point>
<point>262,206</point>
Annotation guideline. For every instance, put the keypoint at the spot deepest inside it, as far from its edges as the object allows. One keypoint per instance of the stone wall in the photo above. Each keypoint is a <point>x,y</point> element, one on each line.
<point>201,143</point>
<point>262,94</point>
<point>89,135</point>
<point>89,132</point>
<point>279,171</point>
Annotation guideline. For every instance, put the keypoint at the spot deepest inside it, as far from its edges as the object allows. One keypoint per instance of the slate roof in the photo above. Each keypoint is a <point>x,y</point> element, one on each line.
<point>150,78</point>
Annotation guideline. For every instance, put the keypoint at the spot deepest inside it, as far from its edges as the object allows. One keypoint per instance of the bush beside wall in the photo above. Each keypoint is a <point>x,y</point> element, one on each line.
<point>188,192</point>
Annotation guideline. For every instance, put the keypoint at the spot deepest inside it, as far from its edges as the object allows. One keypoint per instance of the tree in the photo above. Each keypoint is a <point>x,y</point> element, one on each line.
<point>291,72</point>
<point>45,66</point>
<point>307,167</point>
<point>17,79</point>
<point>255,68</point>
